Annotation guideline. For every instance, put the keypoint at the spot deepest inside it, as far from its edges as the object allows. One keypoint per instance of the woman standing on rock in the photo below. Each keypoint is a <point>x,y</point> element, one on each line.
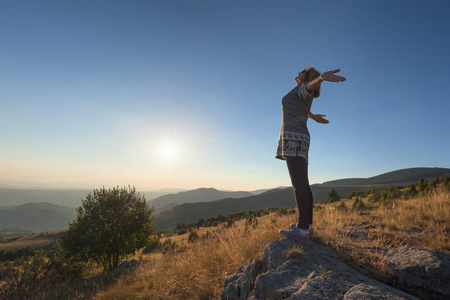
<point>293,144</point>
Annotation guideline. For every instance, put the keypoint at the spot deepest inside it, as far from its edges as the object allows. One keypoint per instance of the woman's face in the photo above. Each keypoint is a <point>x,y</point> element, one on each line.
<point>302,75</point>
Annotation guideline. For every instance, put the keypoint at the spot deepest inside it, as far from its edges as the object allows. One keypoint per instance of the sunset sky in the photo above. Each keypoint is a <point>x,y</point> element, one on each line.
<point>187,94</point>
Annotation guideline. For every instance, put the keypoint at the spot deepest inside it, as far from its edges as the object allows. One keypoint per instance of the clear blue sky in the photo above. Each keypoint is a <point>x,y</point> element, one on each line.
<point>186,94</point>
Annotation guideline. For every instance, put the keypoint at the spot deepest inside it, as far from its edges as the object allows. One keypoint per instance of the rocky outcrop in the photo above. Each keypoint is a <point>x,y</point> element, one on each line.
<point>420,270</point>
<point>306,271</point>
<point>128,264</point>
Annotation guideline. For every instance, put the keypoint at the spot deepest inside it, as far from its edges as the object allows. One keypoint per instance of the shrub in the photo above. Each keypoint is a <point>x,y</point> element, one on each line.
<point>110,224</point>
<point>341,207</point>
<point>10,255</point>
<point>182,231</point>
<point>251,221</point>
<point>152,245</point>
<point>26,277</point>
<point>193,236</point>
<point>333,196</point>
<point>358,204</point>
<point>167,245</point>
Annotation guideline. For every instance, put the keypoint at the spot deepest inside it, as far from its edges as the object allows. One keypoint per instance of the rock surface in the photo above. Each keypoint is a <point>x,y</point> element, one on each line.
<point>421,270</point>
<point>316,273</point>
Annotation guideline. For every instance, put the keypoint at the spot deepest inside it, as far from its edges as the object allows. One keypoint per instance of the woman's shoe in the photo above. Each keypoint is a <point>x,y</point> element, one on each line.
<point>310,229</point>
<point>296,234</point>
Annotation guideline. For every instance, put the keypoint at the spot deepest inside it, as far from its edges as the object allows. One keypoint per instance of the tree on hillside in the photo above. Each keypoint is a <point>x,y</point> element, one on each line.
<point>110,224</point>
<point>333,196</point>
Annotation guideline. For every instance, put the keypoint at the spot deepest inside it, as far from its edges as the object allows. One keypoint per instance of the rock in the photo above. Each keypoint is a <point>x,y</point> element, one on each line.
<point>421,270</point>
<point>127,264</point>
<point>317,274</point>
<point>239,286</point>
<point>367,292</point>
<point>317,288</point>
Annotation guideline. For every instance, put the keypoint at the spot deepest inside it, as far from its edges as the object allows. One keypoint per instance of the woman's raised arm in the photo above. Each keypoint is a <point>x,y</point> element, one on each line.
<point>326,76</point>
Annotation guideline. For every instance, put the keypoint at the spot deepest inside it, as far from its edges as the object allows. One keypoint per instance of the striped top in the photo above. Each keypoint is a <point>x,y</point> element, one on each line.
<point>294,136</point>
<point>296,106</point>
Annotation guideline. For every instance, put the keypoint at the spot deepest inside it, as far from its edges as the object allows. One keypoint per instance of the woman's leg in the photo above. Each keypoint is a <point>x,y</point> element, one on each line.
<point>298,170</point>
<point>311,204</point>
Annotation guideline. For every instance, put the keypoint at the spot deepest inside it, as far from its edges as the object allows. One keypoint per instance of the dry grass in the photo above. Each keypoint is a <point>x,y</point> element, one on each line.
<point>198,272</point>
<point>361,237</point>
<point>40,241</point>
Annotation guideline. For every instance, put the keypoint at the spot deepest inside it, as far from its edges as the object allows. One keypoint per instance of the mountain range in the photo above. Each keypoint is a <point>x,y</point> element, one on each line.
<point>191,212</point>
<point>39,210</point>
<point>198,195</point>
<point>39,217</point>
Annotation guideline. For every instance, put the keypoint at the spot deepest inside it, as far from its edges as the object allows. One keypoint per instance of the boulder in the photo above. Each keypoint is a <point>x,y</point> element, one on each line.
<point>127,264</point>
<point>239,286</point>
<point>423,271</point>
<point>316,274</point>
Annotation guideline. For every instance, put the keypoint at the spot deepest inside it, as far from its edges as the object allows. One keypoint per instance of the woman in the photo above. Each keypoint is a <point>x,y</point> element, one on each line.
<point>293,144</point>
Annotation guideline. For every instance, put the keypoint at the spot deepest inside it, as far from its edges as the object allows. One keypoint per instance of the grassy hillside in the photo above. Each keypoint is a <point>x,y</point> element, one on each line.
<point>14,231</point>
<point>398,177</point>
<point>187,213</point>
<point>40,241</point>
<point>39,217</point>
<point>190,272</point>
<point>195,268</point>
<point>193,196</point>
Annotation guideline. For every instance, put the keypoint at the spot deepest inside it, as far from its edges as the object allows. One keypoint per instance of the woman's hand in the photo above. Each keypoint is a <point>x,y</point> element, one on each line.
<point>319,118</point>
<point>326,76</point>
<point>329,76</point>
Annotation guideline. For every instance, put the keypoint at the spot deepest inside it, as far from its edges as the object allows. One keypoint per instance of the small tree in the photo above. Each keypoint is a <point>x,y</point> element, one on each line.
<point>333,196</point>
<point>193,236</point>
<point>358,204</point>
<point>341,207</point>
<point>110,224</point>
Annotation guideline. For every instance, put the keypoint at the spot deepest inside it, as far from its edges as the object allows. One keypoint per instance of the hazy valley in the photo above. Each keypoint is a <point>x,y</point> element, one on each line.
<point>50,210</point>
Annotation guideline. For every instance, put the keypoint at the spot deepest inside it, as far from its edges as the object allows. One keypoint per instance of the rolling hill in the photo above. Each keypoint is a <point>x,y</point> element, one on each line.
<point>191,212</point>
<point>38,217</point>
<point>198,195</point>
<point>41,217</point>
<point>70,198</point>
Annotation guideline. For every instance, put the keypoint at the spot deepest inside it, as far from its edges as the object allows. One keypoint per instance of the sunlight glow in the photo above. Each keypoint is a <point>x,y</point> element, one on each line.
<point>169,151</point>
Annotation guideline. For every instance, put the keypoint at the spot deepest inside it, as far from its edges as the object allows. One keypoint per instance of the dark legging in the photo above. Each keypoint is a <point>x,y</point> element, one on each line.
<point>298,170</point>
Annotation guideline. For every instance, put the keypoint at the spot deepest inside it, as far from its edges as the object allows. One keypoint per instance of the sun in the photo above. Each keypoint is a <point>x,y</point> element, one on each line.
<point>169,151</point>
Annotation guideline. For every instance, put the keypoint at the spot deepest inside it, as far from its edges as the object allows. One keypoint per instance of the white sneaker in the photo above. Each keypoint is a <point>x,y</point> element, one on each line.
<point>296,234</point>
<point>310,229</point>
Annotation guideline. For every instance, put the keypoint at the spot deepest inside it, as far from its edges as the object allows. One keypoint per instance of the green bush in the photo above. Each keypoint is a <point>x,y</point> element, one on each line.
<point>341,207</point>
<point>10,255</point>
<point>167,245</point>
<point>358,205</point>
<point>110,225</point>
<point>31,276</point>
<point>333,196</point>
<point>193,236</point>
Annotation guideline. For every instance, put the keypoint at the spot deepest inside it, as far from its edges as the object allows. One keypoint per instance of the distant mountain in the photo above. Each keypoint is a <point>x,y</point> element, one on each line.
<point>257,192</point>
<point>69,198</point>
<point>38,217</point>
<point>191,212</point>
<point>399,177</point>
<point>149,195</point>
<point>193,196</point>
